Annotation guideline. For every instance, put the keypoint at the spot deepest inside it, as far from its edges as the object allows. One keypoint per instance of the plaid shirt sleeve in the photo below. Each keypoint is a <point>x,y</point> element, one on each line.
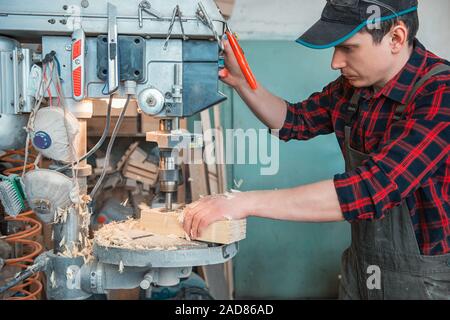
<point>312,117</point>
<point>411,151</point>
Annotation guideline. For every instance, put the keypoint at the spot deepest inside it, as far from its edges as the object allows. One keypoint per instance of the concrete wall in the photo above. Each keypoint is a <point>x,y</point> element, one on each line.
<point>287,19</point>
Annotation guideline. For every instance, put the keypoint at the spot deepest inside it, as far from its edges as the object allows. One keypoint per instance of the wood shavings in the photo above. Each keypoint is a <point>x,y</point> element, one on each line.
<point>60,215</point>
<point>70,274</point>
<point>62,242</point>
<point>180,216</point>
<point>52,279</point>
<point>132,235</point>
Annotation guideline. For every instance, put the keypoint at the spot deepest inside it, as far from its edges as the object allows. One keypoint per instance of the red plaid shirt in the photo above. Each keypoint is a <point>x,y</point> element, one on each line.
<point>409,158</point>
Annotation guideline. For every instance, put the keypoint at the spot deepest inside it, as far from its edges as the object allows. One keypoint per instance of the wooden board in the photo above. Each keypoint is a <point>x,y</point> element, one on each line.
<point>143,173</point>
<point>100,108</point>
<point>220,151</point>
<point>146,165</point>
<point>96,125</point>
<point>127,154</point>
<point>210,152</point>
<point>139,178</point>
<point>138,155</point>
<point>168,223</point>
<point>197,180</point>
<point>149,123</point>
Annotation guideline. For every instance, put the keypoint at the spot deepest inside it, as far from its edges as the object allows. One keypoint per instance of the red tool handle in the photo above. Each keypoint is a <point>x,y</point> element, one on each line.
<point>243,64</point>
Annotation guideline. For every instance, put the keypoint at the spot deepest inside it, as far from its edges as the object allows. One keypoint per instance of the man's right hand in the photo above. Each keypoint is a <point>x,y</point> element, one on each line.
<point>234,77</point>
<point>270,109</point>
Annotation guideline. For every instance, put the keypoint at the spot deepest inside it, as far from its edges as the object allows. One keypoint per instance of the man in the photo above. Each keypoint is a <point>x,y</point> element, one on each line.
<point>390,110</point>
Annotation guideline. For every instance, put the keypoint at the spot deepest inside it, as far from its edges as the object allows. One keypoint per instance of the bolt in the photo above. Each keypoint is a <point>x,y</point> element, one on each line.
<point>145,284</point>
<point>68,48</point>
<point>168,95</point>
<point>21,102</point>
<point>65,7</point>
<point>20,56</point>
<point>85,3</point>
<point>63,21</point>
<point>151,101</point>
<point>52,21</point>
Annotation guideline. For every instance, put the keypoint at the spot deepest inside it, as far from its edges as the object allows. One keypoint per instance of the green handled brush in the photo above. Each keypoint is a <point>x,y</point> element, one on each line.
<point>11,194</point>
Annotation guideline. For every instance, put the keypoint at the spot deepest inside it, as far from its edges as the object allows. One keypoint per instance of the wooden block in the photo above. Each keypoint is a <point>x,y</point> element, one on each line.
<point>167,223</point>
<point>145,174</point>
<point>96,125</point>
<point>149,124</point>
<point>127,154</point>
<point>138,155</point>
<point>139,178</point>
<point>146,165</point>
<point>131,184</point>
<point>101,106</point>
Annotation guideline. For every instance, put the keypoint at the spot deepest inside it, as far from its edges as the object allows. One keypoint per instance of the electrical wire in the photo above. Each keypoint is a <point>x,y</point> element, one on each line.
<point>100,141</point>
<point>39,96</point>
<point>109,148</point>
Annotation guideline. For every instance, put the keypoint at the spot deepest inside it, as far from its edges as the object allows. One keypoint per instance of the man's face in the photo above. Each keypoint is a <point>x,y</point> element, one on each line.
<point>362,62</point>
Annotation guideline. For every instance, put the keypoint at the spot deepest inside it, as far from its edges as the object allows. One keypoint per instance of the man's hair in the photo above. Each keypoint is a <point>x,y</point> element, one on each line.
<point>411,20</point>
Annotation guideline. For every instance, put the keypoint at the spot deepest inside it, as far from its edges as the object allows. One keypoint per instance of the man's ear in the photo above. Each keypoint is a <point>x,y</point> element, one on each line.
<point>399,37</point>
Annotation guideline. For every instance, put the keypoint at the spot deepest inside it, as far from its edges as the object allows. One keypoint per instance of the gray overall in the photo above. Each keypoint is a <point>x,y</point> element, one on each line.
<point>384,260</point>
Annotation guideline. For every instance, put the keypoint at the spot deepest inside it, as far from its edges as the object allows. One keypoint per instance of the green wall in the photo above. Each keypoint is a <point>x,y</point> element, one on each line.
<point>287,260</point>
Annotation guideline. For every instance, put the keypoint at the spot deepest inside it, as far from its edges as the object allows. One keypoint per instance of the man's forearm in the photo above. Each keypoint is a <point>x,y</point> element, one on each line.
<point>270,109</point>
<point>316,202</point>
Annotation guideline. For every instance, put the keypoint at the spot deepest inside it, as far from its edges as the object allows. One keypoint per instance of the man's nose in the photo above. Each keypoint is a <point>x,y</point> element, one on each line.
<point>338,61</point>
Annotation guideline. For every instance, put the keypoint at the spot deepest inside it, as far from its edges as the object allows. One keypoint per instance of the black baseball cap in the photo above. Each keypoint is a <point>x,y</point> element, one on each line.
<point>342,19</point>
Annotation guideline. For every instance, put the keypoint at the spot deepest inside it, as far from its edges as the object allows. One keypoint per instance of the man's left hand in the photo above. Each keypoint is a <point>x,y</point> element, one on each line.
<point>200,214</point>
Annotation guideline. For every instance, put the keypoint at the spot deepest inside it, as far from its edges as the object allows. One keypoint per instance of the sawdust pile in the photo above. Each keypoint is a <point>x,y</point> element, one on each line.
<point>132,235</point>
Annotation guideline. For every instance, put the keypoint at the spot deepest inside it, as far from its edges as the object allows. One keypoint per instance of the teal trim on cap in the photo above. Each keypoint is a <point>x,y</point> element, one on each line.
<point>355,31</point>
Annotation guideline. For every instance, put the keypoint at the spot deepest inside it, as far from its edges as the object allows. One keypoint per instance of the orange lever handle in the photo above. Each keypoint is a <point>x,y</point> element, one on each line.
<point>243,64</point>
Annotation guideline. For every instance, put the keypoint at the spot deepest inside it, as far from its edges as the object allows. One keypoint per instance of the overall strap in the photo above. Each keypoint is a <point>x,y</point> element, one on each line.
<point>353,107</point>
<point>434,71</point>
